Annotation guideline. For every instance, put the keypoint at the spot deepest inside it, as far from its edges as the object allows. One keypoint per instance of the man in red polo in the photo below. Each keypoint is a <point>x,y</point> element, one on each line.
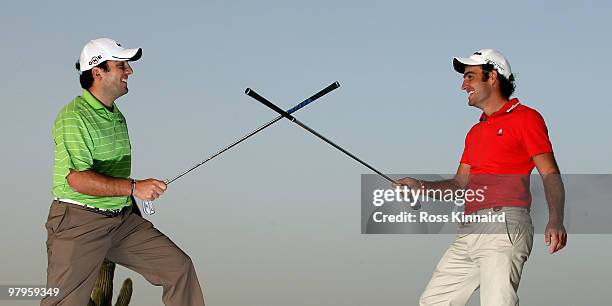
<point>500,152</point>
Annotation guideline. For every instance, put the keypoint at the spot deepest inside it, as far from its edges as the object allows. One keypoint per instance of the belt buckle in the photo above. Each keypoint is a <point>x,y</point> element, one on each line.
<point>109,212</point>
<point>464,223</point>
<point>114,212</point>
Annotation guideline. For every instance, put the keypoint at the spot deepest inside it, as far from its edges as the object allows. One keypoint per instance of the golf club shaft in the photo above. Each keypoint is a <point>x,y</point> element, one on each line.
<point>314,97</point>
<point>271,105</point>
<point>298,122</point>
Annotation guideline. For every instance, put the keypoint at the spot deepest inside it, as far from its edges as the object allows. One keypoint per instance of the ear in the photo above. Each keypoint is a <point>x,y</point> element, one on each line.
<point>493,76</point>
<point>96,72</point>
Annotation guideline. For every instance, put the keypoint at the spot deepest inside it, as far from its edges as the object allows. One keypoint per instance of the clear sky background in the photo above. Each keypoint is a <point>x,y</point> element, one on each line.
<point>276,221</point>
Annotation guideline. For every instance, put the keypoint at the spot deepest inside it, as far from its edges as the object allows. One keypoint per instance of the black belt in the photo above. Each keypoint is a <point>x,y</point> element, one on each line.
<point>106,212</point>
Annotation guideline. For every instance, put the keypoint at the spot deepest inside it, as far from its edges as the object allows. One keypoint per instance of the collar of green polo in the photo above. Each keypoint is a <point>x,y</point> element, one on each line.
<point>97,105</point>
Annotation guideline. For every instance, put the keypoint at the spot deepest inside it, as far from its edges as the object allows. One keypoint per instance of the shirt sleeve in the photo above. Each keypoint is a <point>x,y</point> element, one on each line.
<point>535,134</point>
<point>73,142</point>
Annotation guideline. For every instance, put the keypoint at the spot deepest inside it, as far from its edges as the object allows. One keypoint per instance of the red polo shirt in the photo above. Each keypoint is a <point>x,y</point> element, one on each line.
<point>499,149</point>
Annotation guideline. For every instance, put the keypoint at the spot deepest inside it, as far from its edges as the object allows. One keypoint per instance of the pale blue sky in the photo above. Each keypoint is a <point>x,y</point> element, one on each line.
<point>276,221</point>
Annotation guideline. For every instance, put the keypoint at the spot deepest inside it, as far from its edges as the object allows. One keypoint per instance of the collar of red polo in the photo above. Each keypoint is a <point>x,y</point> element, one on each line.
<point>508,107</point>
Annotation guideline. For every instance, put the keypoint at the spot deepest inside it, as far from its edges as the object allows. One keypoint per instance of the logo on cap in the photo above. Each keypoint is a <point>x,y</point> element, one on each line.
<point>496,65</point>
<point>95,59</point>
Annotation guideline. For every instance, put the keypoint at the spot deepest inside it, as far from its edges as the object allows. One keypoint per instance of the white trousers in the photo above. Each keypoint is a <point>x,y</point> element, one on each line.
<point>486,255</point>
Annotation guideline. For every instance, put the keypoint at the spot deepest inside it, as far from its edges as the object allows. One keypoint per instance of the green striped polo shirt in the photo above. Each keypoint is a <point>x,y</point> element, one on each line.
<point>89,136</point>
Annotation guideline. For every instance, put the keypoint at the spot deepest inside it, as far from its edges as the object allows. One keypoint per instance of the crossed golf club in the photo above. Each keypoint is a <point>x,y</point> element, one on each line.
<point>148,205</point>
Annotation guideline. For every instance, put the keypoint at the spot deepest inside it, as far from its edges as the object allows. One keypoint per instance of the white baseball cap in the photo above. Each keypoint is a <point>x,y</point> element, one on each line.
<point>484,56</point>
<point>104,49</point>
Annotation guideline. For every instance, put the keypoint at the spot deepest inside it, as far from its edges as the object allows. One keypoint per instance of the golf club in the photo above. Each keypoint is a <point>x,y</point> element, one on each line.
<point>269,104</point>
<point>147,206</point>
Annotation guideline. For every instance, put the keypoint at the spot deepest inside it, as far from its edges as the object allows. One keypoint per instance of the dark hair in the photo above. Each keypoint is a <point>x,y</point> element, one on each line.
<point>86,77</point>
<point>506,86</point>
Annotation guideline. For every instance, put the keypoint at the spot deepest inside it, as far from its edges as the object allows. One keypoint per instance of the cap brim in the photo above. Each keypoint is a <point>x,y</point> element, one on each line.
<point>459,63</point>
<point>129,55</point>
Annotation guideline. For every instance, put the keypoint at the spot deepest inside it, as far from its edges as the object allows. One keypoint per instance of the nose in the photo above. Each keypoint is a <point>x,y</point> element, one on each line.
<point>464,85</point>
<point>128,69</point>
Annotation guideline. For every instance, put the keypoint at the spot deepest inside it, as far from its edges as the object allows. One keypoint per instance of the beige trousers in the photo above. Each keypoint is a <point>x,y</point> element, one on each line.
<point>486,255</point>
<point>78,240</point>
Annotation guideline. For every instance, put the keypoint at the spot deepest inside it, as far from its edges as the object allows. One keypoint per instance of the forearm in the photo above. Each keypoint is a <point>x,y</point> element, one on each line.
<point>555,196</point>
<point>443,185</point>
<point>95,184</point>
<point>460,181</point>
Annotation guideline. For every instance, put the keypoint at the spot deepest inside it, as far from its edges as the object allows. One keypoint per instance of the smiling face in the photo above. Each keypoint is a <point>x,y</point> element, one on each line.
<point>478,91</point>
<point>114,81</point>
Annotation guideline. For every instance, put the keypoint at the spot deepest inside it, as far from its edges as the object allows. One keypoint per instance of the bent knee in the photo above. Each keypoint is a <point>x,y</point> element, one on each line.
<point>183,262</point>
<point>427,300</point>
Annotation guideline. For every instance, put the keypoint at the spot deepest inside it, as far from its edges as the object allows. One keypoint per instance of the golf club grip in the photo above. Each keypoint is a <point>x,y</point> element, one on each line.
<point>319,94</point>
<point>267,103</point>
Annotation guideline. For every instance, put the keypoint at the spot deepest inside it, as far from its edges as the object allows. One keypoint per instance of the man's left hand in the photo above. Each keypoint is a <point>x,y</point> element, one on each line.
<point>555,236</point>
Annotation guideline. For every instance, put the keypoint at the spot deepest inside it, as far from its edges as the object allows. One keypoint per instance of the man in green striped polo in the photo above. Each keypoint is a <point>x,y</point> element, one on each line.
<point>93,215</point>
